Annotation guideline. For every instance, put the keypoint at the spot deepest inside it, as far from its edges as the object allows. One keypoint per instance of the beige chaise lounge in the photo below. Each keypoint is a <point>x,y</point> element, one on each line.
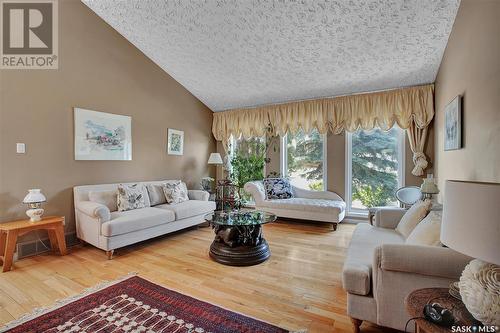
<point>381,270</point>
<point>322,206</point>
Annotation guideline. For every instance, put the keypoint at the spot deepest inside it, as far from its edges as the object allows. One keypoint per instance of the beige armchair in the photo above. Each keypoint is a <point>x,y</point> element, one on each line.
<point>381,270</point>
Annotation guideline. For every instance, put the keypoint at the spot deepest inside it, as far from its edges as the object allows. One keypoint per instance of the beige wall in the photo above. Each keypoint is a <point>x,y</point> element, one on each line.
<point>98,70</point>
<point>471,67</point>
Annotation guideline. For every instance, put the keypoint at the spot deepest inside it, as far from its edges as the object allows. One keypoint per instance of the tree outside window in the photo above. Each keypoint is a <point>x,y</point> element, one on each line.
<point>375,164</point>
<point>305,159</point>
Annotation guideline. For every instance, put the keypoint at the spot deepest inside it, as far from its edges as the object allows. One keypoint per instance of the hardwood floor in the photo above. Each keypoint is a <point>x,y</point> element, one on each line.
<point>298,288</point>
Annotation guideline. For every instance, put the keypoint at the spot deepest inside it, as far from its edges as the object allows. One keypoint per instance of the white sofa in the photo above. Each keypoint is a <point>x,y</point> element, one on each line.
<point>323,206</point>
<point>108,230</point>
<point>381,270</point>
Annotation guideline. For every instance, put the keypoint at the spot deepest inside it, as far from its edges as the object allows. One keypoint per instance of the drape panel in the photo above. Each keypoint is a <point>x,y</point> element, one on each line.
<point>411,108</point>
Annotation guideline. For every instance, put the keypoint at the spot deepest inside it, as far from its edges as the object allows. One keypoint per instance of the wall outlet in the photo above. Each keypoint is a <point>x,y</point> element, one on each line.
<point>20,148</point>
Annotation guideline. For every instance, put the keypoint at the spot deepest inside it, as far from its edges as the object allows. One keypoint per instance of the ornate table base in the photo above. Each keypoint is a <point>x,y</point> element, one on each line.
<point>241,245</point>
<point>241,255</point>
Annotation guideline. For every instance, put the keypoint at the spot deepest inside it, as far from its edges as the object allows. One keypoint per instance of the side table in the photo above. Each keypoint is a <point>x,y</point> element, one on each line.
<point>417,299</point>
<point>9,231</point>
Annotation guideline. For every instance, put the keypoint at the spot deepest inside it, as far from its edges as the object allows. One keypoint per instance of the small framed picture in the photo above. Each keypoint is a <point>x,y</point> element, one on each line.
<point>175,142</point>
<point>453,124</point>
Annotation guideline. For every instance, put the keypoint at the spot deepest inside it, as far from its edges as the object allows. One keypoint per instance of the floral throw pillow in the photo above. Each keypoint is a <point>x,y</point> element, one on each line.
<point>175,192</point>
<point>278,188</point>
<point>130,197</point>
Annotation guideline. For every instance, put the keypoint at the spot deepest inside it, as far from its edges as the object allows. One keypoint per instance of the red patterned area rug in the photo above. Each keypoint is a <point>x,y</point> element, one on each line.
<point>137,305</point>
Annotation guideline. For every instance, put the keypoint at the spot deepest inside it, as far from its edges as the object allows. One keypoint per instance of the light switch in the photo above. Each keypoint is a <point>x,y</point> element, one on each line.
<point>20,148</point>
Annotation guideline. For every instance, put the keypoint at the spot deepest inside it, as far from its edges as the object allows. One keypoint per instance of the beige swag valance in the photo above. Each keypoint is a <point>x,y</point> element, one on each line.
<point>411,108</point>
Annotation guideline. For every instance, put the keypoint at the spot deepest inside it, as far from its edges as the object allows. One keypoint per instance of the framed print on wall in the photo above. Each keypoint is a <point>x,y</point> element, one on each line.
<point>102,136</point>
<point>453,124</point>
<point>175,142</point>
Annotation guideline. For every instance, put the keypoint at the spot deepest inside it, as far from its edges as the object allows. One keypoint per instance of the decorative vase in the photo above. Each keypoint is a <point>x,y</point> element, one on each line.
<point>480,290</point>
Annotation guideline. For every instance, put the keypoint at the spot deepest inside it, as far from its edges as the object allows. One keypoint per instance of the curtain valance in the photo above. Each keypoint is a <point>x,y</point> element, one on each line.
<point>408,107</point>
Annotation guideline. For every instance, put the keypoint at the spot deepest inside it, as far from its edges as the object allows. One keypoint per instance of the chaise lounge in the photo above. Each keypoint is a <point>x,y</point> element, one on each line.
<point>323,206</point>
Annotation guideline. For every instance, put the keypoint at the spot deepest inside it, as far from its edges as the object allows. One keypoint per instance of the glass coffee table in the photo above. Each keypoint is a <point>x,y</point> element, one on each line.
<point>238,237</point>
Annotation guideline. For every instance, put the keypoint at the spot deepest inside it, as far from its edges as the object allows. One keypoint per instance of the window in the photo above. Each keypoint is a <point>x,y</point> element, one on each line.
<point>375,168</point>
<point>247,162</point>
<point>303,159</point>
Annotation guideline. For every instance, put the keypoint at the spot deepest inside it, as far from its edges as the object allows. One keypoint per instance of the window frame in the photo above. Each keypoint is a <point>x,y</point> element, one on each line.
<point>284,158</point>
<point>401,141</point>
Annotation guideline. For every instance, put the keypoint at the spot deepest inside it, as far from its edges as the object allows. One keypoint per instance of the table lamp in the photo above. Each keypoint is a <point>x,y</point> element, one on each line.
<point>215,159</point>
<point>429,187</point>
<point>34,200</point>
<point>471,225</point>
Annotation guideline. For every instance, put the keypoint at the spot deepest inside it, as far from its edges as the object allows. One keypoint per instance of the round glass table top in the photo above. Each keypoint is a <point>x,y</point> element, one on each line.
<point>240,217</point>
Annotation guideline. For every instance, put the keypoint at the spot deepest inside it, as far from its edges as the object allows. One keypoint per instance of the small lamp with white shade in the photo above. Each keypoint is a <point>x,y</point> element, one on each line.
<point>471,225</point>
<point>34,200</point>
<point>216,159</point>
<point>429,187</point>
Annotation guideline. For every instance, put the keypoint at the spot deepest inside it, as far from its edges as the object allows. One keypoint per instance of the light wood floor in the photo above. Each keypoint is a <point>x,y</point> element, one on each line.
<point>298,288</point>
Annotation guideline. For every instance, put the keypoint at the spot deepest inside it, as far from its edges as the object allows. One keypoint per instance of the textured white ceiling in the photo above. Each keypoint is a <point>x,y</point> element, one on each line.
<point>239,53</point>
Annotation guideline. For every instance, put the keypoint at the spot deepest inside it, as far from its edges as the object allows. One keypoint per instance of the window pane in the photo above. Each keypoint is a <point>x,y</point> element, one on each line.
<point>375,168</point>
<point>304,160</point>
<point>247,162</point>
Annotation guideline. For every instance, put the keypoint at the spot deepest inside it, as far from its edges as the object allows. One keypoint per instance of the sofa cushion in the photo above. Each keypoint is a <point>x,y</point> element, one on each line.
<point>412,217</point>
<point>136,219</point>
<point>131,196</point>
<point>357,271</point>
<point>106,198</point>
<point>322,206</point>
<point>428,231</point>
<point>189,208</point>
<point>175,192</point>
<point>278,188</point>
<point>156,195</point>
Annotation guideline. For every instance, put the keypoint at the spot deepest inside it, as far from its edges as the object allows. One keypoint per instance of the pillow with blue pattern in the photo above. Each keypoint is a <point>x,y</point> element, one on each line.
<point>278,188</point>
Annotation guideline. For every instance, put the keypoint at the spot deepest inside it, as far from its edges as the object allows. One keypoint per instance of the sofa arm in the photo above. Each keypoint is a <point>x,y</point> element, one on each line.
<point>425,260</point>
<point>94,210</point>
<point>256,189</point>
<point>198,195</point>
<point>388,217</point>
<point>302,193</point>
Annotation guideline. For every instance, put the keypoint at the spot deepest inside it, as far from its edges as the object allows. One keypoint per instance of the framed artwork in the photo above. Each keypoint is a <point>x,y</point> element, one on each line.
<point>102,136</point>
<point>453,124</point>
<point>175,142</point>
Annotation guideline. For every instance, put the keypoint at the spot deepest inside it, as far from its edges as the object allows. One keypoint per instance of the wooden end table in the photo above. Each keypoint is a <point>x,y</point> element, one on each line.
<point>416,300</point>
<point>9,231</point>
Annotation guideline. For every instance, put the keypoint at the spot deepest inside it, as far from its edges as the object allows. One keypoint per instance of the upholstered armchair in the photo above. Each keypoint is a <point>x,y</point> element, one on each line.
<point>381,269</point>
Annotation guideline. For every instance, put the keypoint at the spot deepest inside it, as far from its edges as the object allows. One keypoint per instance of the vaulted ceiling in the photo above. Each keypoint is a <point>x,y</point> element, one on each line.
<point>242,53</point>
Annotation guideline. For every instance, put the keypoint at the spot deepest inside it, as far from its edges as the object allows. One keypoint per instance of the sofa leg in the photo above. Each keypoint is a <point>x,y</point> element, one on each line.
<point>109,254</point>
<point>356,323</point>
<point>334,226</point>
